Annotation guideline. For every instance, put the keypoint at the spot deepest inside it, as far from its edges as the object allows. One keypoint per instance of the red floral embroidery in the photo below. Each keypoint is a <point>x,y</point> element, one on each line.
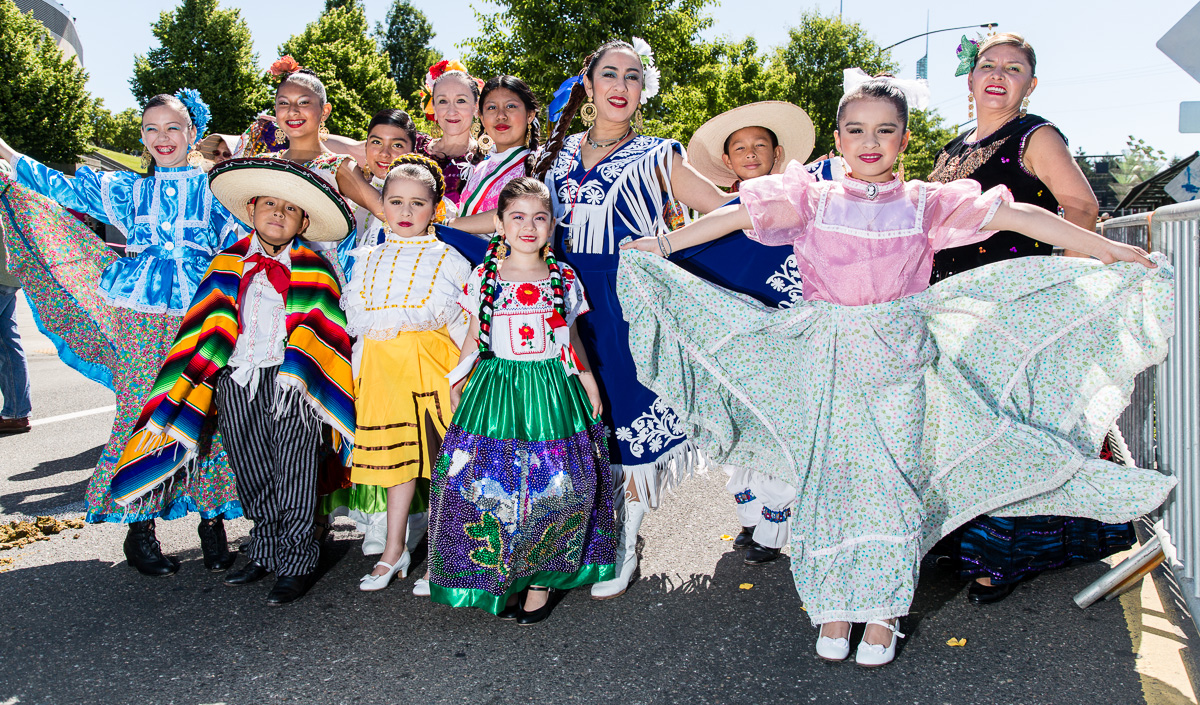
<point>568,274</point>
<point>528,294</point>
<point>526,334</point>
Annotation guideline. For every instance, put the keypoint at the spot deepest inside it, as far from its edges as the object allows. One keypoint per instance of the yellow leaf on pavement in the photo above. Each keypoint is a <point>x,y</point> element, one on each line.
<point>746,586</point>
<point>726,537</point>
<point>956,642</point>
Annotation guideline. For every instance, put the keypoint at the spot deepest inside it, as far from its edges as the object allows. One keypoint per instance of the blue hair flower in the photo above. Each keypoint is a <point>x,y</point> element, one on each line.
<point>197,108</point>
<point>561,97</point>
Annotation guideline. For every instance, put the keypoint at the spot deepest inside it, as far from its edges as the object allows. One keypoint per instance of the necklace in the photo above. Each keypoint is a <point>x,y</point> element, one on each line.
<point>609,143</point>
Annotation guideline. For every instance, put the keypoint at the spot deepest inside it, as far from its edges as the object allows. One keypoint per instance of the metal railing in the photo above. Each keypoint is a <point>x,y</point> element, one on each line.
<point>1162,423</point>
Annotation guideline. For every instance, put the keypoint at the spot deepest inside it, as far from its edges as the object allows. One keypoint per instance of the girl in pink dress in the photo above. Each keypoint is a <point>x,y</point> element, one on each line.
<point>895,409</point>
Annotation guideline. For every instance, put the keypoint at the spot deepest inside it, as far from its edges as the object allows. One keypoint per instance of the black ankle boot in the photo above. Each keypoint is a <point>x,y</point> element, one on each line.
<point>214,544</point>
<point>143,551</point>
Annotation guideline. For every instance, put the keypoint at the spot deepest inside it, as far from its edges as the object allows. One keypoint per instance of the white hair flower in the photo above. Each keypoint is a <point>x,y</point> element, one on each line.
<point>642,49</point>
<point>652,77</point>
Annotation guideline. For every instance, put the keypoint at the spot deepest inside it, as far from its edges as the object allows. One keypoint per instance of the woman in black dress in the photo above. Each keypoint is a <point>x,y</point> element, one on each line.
<point>1028,154</point>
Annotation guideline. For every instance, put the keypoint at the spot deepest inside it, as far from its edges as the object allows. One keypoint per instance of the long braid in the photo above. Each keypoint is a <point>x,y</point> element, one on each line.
<point>556,282</point>
<point>555,144</point>
<point>487,294</point>
<point>420,160</point>
<point>534,140</point>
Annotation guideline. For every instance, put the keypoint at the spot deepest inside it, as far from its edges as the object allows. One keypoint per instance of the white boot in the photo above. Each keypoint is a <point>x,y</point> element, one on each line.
<point>418,524</point>
<point>626,558</point>
<point>374,534</point>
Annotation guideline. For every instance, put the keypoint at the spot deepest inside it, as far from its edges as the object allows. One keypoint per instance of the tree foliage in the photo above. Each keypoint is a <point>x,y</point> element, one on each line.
<point>117,131</point>
<point>1138,162</point>
<point>405,37</point>
<point>544,42</point>
<point>204,47</point>
<point>928,136</point>
<point>47,110</point>
<point>350,64</point>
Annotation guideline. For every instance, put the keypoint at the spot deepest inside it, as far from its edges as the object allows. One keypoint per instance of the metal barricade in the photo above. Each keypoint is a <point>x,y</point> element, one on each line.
<point>1162,423</point>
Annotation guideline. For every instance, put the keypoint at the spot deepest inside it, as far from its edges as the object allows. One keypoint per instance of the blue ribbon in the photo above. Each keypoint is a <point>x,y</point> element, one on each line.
<point>562,96</point>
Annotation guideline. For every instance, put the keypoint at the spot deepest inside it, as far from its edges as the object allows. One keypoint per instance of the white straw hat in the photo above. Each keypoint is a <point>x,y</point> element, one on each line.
<point>791,125</point>
<point>235,182</point>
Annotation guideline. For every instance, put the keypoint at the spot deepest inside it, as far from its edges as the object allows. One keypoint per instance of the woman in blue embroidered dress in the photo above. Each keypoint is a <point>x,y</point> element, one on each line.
<point>609,183</point>
<point>114,318</point>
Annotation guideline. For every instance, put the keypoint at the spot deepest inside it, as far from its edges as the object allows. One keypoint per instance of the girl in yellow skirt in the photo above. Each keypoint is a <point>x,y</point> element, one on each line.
<point>402,306</point>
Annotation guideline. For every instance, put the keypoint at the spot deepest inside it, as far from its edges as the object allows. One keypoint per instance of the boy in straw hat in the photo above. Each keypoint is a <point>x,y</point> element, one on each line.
<point>736,146</point>
<point>265,339</point>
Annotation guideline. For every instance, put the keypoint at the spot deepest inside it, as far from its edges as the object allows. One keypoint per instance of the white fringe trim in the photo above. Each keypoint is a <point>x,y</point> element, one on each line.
<point>666,473</point>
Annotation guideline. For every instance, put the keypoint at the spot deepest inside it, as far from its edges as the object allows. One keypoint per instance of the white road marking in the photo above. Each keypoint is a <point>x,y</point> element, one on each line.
<point>68,417</point>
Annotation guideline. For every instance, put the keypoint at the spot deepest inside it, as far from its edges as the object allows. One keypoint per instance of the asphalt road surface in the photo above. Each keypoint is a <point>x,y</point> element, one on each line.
<point>80,626</point>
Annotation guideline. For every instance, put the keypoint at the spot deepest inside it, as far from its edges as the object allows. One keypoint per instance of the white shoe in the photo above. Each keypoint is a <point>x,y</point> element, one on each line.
<point>626,557</point>
<point>375,535</point>
<point>371,583</point>
<point>421,587</point>
<point>418,524</point>
<point>832,649</point>
<point>872,655</point>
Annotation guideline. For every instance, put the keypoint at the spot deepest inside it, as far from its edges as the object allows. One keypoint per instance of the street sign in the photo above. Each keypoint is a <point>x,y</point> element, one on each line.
<point>1180,45</point>
<point>1185,186</point>
<point>1189,116</point>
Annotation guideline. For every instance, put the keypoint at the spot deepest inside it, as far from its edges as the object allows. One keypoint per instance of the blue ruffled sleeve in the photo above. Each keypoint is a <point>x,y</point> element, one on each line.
<point>228,228</point>
<point>107,197</point>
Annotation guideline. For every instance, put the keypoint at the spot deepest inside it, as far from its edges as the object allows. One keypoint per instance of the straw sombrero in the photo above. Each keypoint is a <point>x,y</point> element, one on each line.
<point>789,122</point>
<point>236,181</point>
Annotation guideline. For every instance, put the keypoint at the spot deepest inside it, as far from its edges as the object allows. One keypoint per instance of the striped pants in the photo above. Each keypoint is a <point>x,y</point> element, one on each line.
<point>274,459</point>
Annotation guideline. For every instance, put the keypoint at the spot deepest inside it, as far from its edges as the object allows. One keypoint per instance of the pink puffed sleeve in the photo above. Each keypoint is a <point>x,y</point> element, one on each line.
<point>956,212</point>
<point>780,205</point>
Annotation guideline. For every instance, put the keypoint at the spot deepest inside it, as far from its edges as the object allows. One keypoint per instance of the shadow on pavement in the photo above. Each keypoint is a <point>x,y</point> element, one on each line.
<point>84,631</point>
<point>80,461</point>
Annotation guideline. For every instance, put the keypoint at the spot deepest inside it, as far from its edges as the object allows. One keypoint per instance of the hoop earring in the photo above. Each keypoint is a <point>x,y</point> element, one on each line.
<point>146,159</point>
<point>970,106</point>
<point>637,120</point>
<point>323,132</point>
<point>588,113</point>
<point>1025,106</point>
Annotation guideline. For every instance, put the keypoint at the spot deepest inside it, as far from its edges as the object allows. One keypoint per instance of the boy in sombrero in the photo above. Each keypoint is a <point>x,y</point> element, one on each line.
<point>738,145</point>
<point>265,340</point>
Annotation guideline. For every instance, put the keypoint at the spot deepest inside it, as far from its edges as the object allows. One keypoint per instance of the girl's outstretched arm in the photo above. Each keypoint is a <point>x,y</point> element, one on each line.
<point>470,345</point>
<point>354,186</point>
<point>721,222</point>
<point>586,378</point>
<point>1042,225</point>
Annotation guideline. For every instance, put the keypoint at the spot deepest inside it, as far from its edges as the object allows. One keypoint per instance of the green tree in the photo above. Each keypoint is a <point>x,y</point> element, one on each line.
<point>815,55</point>
<point>928,135</point>
<point>118,131</point>
<point>47,110</point>
<point>405,37</point>
<point>1138,162</point>
<point>545,42</point>
<point>204,47</point>
<point>350,64</point>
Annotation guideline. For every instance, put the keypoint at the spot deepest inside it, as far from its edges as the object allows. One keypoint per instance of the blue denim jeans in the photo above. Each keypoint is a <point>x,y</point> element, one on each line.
<point>14,374</point>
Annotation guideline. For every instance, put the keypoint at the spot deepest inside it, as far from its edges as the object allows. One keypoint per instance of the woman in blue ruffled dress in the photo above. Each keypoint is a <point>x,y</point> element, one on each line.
<point>114,318</point>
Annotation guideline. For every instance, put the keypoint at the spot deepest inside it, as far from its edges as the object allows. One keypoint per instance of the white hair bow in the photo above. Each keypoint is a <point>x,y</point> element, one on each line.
<point>916,91</point>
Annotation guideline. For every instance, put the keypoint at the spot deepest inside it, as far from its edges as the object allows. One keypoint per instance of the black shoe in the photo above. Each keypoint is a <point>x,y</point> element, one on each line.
<point>252,572</point>
<point>526,618</point>
<point>744,539</point>
<point>289,588</point>
<point>513,610</point>
<point>213,542</point>
<point>760,555</point>
<point>980,594</point>
<point>143,551</point>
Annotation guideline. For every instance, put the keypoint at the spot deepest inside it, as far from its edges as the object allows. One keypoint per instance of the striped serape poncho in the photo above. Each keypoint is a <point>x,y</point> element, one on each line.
<point>315,370</point>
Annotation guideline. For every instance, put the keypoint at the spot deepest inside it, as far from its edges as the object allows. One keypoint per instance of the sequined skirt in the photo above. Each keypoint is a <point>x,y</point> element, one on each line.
<point>521,494</point>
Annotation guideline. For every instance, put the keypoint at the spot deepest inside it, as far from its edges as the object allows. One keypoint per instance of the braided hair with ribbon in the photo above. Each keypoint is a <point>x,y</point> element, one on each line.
<point>418,167</point>
<point>523,187</point>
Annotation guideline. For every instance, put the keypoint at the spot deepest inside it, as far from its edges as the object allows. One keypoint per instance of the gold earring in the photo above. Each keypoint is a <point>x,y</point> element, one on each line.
<point>970,106</point>
<point>475,128</point>
<point>588,113</point>
<point>485,143</point>
<point>637,120</point>
<point>545,250</point>
<point>146,159</point>
<point>432,229</point>
<point>1025,106</point>
<point>195,158</point>
<point>435,130</point>
<point>502,252</point>
<point>323,132</point>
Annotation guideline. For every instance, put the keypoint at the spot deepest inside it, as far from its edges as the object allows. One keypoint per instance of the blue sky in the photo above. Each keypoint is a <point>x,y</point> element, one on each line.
<point>1101,76</point>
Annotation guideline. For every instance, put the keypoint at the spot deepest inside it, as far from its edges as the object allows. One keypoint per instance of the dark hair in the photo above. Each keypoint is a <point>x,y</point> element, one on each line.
<point>462,75</point>
<point>395,118</point>
<point>878,88</point>
<point>309,79</point>
<point>171,101</point>
<point>1011,39</point>
<point>417,167</point>
<point>576,100</point>
<point>774,139</point>
<point>523,187</point>
<point>522,91</point>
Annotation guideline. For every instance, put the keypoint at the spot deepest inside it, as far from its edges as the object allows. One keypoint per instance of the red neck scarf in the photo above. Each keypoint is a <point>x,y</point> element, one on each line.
<point>278,275</point>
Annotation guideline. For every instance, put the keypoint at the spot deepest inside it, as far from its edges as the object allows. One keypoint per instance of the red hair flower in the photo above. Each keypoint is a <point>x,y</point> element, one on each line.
<point>528,294</point>
<point>284,66</point>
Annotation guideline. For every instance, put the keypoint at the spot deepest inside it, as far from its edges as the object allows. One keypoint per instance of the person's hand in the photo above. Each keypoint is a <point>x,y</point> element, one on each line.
<point>593,393</point>
<point>456,394</point>
<point>1120,252</point>
<point>645,244</point>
